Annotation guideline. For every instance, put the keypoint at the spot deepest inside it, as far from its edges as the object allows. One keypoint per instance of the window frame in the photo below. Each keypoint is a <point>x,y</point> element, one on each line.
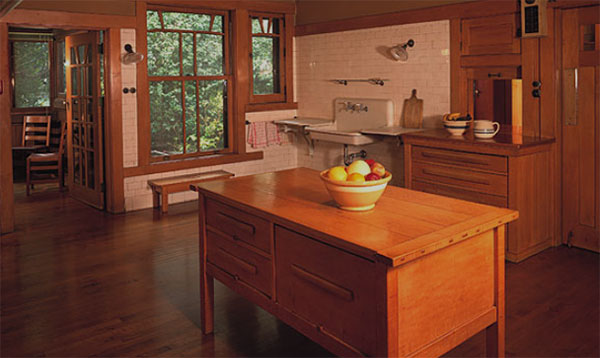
<point>274,97</point>
<point>51,85</point>
<point>227,77</point>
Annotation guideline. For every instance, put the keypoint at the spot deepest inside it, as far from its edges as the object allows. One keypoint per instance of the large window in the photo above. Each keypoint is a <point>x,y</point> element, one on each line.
<point>189,77</point>
<point>31,70</point>
<point>267,51</point>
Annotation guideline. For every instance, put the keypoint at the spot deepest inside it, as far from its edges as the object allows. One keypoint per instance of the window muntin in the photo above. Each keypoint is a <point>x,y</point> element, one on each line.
<point>267,65</point>
<point>31,68</point>
<point>188,74</point>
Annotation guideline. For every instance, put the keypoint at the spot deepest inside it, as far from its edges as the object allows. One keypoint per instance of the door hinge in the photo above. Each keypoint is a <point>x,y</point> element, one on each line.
<point>101,49</point>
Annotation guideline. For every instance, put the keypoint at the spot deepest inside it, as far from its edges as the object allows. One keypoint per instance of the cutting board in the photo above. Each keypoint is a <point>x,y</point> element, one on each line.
<point>412,111</point>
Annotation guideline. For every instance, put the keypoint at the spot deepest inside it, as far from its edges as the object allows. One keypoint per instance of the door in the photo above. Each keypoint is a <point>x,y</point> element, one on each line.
<point>580,128</point>
<point>84,136</point>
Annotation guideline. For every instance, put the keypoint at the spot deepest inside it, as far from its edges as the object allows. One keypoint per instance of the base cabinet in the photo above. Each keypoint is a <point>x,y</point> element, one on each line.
<point>519,182</point>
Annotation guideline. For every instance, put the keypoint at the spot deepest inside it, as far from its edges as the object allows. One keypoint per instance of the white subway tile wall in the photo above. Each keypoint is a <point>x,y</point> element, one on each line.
<point>361,54</point>
<point>319,59</point>
<point>128,78</point>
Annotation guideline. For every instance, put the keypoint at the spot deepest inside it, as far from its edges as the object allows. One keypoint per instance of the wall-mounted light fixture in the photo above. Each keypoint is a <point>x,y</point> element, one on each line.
<point>399,52</point>
<point>131,57</point>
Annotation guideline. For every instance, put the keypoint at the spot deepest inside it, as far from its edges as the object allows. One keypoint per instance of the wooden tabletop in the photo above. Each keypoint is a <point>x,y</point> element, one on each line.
<point>501,144</point>
<point>403,226</point>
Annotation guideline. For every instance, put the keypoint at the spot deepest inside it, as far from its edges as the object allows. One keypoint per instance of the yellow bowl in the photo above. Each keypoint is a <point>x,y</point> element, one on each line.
<point>355,196</point>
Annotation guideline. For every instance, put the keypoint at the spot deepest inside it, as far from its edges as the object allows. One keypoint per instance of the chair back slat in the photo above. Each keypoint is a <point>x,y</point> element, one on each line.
<point>36,130</point>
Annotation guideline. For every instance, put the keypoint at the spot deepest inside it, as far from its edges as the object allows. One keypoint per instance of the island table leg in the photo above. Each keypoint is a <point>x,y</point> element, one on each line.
<point>207,288</point>
<point>495,333</point>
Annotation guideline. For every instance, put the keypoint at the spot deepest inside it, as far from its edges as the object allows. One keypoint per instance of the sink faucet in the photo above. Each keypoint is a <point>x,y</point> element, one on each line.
<point>354,107</point>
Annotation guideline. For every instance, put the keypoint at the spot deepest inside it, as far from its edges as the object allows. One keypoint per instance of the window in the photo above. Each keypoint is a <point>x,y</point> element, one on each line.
<point>267,52</point>
<point>189,82</point>
<point>31,71</point>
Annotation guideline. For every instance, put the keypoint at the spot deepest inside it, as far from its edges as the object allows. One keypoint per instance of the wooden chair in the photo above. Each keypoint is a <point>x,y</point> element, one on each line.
<point>36,131</point>
<point>47,167</point>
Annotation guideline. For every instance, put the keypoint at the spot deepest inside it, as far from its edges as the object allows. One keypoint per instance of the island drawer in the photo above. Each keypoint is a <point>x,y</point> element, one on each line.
<point>488,183</point>
<point>484,162</point>
<point>440,189</point>
<point>240,225</point>
<point>329,287</point>
<point>241,264</point>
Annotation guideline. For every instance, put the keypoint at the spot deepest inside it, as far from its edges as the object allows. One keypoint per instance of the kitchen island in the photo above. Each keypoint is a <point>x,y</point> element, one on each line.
<point>416,276</point>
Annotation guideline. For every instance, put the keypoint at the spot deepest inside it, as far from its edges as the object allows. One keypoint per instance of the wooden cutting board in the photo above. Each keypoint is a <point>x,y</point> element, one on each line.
<point>412,111</point>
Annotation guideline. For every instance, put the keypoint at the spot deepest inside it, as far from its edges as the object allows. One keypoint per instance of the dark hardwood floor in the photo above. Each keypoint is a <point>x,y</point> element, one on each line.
<point>79,282</point>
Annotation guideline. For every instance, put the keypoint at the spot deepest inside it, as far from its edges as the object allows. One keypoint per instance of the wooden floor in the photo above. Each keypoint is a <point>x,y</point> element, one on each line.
<point>78,282</point>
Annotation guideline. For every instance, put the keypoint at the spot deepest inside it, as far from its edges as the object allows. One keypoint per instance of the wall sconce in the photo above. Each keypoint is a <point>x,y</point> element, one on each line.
<point>399,52</point>
<point>131,57</point>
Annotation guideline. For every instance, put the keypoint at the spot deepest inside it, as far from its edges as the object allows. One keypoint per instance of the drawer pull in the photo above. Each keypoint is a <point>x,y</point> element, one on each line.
<point>457,177</point>
<point>323,331</point>
<point>239,224</point>
<point>453,158</point>
<point>322,283</point>
<point>241,263</point>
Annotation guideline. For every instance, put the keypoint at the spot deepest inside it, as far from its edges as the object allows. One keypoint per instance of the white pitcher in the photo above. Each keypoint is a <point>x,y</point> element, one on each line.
<point>485,129</point>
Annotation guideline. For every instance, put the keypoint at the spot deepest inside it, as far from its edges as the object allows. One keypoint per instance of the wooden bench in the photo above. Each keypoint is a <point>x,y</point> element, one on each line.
<point>161,188</point>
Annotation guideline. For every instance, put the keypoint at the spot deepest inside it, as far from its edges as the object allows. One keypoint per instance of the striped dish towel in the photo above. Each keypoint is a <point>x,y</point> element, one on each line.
<point>262,134</point>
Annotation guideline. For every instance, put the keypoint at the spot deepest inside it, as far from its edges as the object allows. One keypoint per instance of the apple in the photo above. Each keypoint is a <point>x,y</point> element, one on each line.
<point>378,168</point>
<point>370,162</point>
<point>372,176</point>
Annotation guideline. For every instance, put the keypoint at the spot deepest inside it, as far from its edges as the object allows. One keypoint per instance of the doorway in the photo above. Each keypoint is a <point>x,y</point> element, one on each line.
<point>580,77</point>
<point>61,76</point>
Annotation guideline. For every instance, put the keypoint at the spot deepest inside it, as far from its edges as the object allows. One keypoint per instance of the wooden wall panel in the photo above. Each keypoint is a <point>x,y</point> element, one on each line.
<point>530,73</point>
<point>7,216</point>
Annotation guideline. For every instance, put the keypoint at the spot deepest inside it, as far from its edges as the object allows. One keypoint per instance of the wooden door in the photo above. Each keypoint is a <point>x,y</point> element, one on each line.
<point>580,46</point>
<point>84,135</point>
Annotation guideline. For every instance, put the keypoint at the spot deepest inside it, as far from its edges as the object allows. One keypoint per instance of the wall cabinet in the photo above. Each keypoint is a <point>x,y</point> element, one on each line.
<point>492,35</point>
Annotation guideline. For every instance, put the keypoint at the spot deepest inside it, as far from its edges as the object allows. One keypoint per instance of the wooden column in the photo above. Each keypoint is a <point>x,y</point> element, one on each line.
<point>7,215</point>
<point>113,126</point>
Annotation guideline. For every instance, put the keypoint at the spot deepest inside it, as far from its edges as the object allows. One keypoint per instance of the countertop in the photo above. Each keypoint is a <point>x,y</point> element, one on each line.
<point>403,226</point>
<point>501,144</point>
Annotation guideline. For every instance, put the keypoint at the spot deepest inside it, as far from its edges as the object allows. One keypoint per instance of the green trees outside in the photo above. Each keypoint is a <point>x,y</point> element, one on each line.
<point>179,61</point>
<point>31,64</point>
<point>188,80</point>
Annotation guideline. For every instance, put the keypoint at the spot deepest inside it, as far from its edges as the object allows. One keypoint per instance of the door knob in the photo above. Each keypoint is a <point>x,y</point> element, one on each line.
<point>536,93</point>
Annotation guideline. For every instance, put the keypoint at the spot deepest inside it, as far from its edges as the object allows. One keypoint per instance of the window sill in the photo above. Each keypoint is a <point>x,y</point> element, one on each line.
<point>174,165</point>
<point>263,107</point>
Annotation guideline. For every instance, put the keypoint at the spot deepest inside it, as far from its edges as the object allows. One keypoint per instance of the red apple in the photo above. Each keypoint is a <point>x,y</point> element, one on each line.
<point>378,168</point>
<point>372,176</point>
<point>370,162</point>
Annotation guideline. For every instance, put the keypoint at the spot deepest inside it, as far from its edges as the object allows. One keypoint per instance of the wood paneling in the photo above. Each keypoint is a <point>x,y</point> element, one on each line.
<point>67,20</point>
<point>143,90</point>
<point>469,9</point>
<point>493,35</point>
<point>7,217</point>
<point>105,7</point>
<point>113,124</point>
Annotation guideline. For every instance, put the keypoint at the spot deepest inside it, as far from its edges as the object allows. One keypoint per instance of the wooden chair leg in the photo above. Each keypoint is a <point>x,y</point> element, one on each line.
<point>28,176</point>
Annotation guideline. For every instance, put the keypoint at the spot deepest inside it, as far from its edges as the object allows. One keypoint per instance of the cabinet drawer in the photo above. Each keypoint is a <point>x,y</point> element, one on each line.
<point>329,287</point>
<point>440,189</point>
<point>492,35</point>
<point>240,225</point>
<point>468,160</point>
<point>242,264</point>
<point>488,183</point>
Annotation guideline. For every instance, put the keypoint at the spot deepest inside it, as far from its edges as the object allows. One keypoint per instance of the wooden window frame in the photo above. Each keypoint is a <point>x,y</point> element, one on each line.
<point>51,79</point>
<point>227,77</point>
<point>275,97</point>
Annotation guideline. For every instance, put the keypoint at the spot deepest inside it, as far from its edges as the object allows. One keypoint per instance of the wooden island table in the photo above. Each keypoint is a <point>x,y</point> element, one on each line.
<point>416,276</point>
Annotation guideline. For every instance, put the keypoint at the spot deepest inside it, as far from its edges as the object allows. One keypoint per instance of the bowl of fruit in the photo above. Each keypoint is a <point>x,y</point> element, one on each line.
<point>358,186</point>
<point>456,124</point>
